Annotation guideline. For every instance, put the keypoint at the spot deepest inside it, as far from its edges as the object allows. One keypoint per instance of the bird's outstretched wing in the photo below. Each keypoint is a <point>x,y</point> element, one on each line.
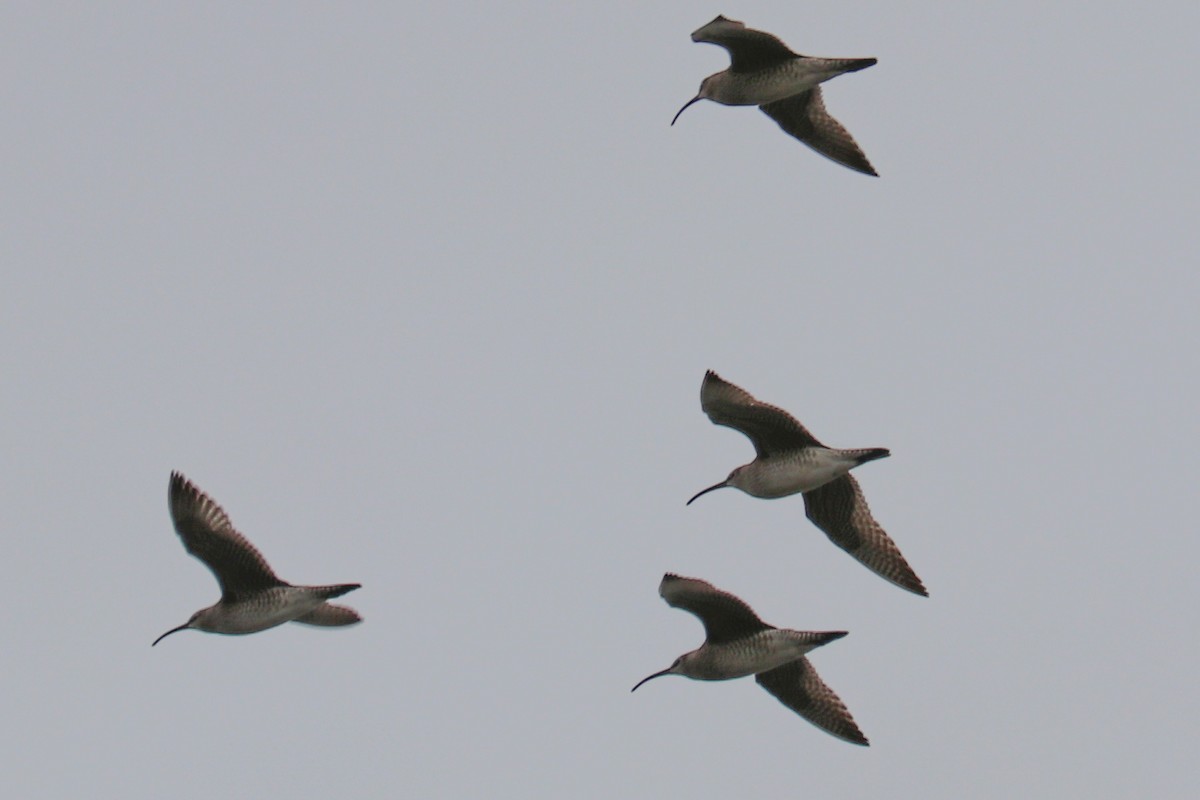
<point>725,617</point>
<point>840,510</point>
<point>749,50</point>
<point>798,686</point>
<point>771,429</point>
<point>804,116</point>
<point>208,534</point>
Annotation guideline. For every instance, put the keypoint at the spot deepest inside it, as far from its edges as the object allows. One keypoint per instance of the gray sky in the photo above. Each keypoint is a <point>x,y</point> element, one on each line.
<point>424,296</point>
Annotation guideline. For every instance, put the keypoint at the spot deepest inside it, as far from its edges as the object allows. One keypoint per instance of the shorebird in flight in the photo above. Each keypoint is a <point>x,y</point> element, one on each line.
<point>737,643</point>
<point>764,72</point>
<point>790,460</point>
<point>252,597</point>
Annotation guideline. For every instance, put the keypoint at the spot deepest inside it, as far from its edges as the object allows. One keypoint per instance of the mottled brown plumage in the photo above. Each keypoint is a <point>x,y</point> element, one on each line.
<point>763,71</point>
<point>253,598</point>
<point>737,643</point>
<point>790,460</point>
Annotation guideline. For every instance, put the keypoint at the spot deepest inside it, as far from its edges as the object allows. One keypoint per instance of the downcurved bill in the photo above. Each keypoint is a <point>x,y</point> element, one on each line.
<point>182,627</point>
<point>666,671</point>
<point>720,485</point>
<point>685,105</point>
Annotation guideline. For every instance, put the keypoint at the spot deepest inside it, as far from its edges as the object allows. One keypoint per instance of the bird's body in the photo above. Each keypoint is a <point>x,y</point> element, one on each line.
<point>779,81</point>
<point>738,643</point>
<point>764,72</point>
<point>751,654</point>
<point>791,460</point>
<point>802,470</point>
<point>253,598</point>
<point>267,608</point>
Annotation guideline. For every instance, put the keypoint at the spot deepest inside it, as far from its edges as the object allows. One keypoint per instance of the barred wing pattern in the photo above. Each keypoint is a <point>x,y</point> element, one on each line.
<point>798,687</point>
<point>208,535</point>
<point>840,510</point>
<point>804,116</point>
<point>725,617</point>
<point>771,429</point>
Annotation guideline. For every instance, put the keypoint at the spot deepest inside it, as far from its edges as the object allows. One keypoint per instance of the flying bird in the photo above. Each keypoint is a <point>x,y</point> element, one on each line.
<point>737,643</point>
<point>764,72</point>
<point>252,597</point>
<point>791,460</point>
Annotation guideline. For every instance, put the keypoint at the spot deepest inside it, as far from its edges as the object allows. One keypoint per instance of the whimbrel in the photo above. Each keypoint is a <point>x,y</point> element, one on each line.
<point>790,460</point>
<point>252,597</point>
<point>737,643</point>
<point>764,72</point>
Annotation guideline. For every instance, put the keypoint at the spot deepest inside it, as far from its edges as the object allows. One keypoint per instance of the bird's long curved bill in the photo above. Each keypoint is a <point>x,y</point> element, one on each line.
<point>720,485</point>
<point>649,677</point>
<point>685,105</point>
<point>168,633</point>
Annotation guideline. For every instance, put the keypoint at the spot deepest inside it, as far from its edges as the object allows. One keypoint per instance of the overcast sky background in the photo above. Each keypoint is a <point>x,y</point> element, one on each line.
<point>423,296</point>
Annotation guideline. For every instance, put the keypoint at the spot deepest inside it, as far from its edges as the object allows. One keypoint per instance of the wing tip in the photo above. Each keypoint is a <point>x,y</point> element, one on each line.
<point>907,579</point>
<point>856,737</point>
<point>179,488</point>
<point>671,580</point>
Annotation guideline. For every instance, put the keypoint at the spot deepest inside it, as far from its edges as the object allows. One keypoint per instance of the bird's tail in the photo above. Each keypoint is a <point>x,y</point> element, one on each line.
<point>855,64</point>
<point>336,590</point>
<point>825,637</point>
<point>868,454</point>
